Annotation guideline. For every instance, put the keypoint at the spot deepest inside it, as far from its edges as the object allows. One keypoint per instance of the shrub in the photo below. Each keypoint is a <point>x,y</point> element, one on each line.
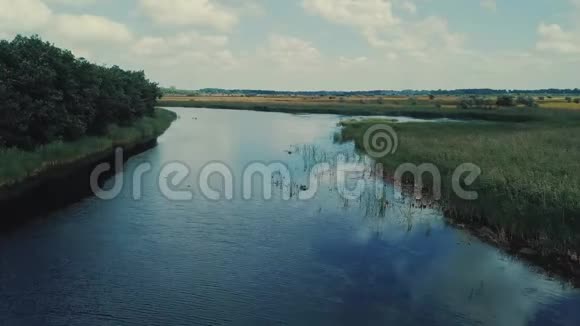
<point>506,100</point>
<point>526,100</point>
<point>466,103</point>
<point>568,99</point>
<point>577,100</point>
<point>476,102</point>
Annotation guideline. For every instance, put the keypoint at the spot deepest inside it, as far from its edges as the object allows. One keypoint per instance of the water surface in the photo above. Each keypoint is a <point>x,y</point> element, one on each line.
<point>324,261</point>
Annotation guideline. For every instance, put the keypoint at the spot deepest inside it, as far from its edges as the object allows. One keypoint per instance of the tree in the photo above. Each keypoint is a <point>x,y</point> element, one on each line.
<point>476,102</point>
<point>526,101</point>
<point>505,100</point>
<point>47,94</point>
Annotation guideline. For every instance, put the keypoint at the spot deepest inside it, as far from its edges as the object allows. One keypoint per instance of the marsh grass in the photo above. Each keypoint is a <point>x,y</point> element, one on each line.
<point>18,164</point>
<point>530,186</point>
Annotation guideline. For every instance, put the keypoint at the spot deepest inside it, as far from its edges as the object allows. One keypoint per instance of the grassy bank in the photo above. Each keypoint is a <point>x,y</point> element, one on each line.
<point>423,110</point>
<point>529,189</point>
<point>18,164</point>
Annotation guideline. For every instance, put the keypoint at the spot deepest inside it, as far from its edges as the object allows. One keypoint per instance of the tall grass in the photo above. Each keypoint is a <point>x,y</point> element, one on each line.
<point>17,164</point>
<point>530,186</point>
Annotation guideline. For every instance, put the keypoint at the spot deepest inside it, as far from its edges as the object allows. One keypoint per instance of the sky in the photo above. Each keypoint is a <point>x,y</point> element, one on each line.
<point>317,44</point>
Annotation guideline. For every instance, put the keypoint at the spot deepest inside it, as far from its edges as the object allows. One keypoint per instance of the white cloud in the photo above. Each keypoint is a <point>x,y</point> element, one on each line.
<point>190,44</point>
<point>190,12</point>
<point>418,39</point>
<point>418,50</point>
<point>489,5</point>
<point>248,8</point>
<point>553,38</point>
<point>377,22</point>
<point>187,49</point>
<point>76,3</point>
<point>82,34</point>
<point>346,62</point>
<point>88,29</point>
<point>190,49</point>
<point>292,52</point>
<point>409,6</point>
<point>361,13</point>
<point>391,56</point>
<point>182,42</point>
<point>23,15</point>
<point>197,59</point>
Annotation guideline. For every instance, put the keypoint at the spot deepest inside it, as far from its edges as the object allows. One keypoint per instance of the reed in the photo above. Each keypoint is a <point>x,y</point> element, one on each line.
<point>530,186</point>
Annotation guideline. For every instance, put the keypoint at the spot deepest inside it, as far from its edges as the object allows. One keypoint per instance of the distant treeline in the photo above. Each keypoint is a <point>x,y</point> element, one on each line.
<point>409,92</point>
<point>175,91</point>
<point>46,94</point>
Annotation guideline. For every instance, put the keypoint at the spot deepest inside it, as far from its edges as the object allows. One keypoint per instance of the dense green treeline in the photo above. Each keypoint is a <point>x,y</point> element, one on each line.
<point>46,94</point>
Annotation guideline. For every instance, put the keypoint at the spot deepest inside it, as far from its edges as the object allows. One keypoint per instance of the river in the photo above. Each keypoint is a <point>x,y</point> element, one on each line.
<point>320,261</point>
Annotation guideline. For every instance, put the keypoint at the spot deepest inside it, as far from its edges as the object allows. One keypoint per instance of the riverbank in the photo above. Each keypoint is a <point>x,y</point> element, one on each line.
<point>420,110</point>
<point>38,173</point>
<point>529,191</point>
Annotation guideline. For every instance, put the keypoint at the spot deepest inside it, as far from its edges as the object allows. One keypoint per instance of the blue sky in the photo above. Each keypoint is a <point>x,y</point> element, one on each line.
<point>317,44</point>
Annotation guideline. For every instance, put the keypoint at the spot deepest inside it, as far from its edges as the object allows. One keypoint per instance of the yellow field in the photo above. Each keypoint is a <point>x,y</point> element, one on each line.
<point>559,105</point>
<point>444,101</point>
